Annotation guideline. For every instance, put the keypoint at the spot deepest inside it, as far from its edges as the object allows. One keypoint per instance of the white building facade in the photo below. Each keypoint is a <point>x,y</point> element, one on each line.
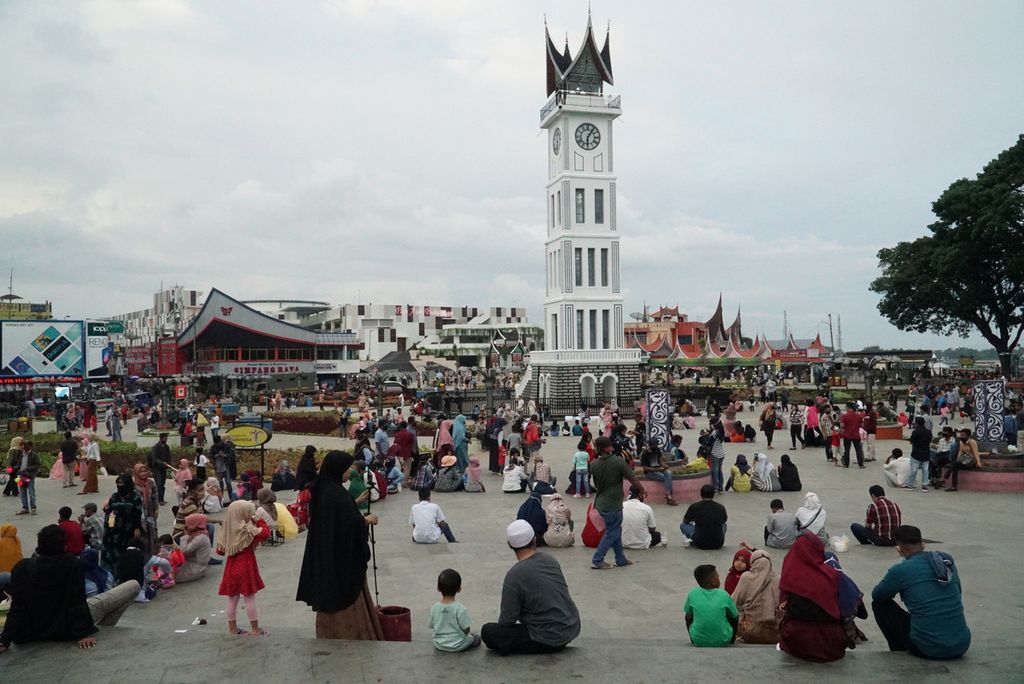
<point>584,357</point>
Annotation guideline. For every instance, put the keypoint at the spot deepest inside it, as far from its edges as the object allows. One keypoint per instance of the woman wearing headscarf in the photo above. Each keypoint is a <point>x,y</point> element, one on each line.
<point>739,477</point>
<point>10,547</point>
<point>284,477</point>
<point>146,487</point>
<point>559,518</point>
<point>532,512</point>
<point>91,462</point>
<point>811,517</point>
<point>809,599</point>
<point>444,433</point>
<point>757,599</point>
<point>448,478</point>
<point>495,432</point>
<point>333,576</point>
<point>267,508</point>
<point>740,566</point>
<point>789,475</point>
<point>181,478</point>
<point>460,442</point>
<point>240,534</point>
<point>195,545</point>
<point>13,464</point>
<point>123,520</point>
<point>764,478</point>
<point>305,472</point>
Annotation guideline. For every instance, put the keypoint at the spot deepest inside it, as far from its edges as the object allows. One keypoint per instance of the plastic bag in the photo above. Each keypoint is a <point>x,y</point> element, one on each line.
<point>840,543</point>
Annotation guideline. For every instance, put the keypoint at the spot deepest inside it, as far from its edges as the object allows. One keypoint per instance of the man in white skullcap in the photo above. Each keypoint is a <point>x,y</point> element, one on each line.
<point>537,613</point>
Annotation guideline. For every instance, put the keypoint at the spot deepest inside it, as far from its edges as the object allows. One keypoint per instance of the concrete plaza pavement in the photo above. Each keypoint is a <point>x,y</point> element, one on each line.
<point>632,617</point>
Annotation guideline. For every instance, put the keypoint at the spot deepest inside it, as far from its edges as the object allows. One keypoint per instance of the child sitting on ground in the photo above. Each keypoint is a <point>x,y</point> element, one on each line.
<point>449,619</point>
<point>711,615</point>
<point>170,552</point>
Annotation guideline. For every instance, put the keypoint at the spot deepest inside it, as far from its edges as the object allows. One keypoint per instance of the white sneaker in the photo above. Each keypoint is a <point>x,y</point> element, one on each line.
<point>686,540</point>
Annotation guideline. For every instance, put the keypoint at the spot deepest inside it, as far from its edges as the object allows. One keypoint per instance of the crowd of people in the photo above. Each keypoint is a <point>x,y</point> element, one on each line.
<point>112,552</point>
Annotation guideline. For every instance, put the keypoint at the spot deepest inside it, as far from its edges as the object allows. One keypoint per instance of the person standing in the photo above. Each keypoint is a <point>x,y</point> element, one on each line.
<point>91,462</point>
<point>920,455</point>
<point>608,471</point>
<point>27,471</point>
<point>851,422</point>
<point>880,523</point>
<point>870,425</point>
<point>159,460</point>
<point>332,580</point>
<point>215,425</point>
<point>717,437</point>
<point>768,423</point>
<point>147,491</point>
<point>537,613</point>
<point>933,624</point>
<point>115,425</point>
<point>796,426</point>
<point>68,458</point>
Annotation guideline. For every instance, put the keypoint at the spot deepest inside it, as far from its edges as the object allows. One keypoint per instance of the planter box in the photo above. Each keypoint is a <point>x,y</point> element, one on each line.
<point>42,427</point>
<point>145,441</point>
<point>684,487</point>
<point>889,432</point>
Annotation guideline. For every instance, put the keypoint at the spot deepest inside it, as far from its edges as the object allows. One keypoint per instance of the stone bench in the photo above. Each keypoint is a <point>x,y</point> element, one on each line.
<point>684,487</point>
<point>991,479</point>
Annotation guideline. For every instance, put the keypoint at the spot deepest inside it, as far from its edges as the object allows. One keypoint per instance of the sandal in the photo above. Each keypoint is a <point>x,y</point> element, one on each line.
<point>239,632</point>
<point>622,565</point>
<point>602,566</point>
<point>261,632</point>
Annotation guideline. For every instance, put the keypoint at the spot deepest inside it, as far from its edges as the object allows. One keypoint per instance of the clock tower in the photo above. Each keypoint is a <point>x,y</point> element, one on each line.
<point>584,358</point>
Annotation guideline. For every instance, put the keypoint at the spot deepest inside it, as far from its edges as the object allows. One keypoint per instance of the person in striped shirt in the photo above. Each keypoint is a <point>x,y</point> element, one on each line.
<point>883,517</point>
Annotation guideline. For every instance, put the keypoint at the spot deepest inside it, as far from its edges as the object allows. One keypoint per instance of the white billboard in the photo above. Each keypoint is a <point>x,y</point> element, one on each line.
<point>41,351</point>
<point>99,351</point>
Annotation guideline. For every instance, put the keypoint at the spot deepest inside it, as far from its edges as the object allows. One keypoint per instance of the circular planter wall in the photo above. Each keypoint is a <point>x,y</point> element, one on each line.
<point>684,487</point>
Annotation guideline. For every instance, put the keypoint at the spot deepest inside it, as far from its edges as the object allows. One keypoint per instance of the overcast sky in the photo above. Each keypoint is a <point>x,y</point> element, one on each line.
<point>389,152</point>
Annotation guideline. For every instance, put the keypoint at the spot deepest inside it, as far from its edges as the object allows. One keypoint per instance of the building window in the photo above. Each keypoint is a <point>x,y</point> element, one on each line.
<point>579,267</point>
<point>598,206</point>
<point>581,201</point>
<point>559,207</point>
<point>554,331</point>
<point>552,211</point>
<point>579,329</point>
<point>591,269</point>
<point>606,327</point>
<point>604,267</point>
<point>593,328</point>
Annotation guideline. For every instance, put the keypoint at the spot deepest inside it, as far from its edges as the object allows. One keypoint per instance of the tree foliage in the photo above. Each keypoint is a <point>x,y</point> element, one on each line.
<point>968,274</point>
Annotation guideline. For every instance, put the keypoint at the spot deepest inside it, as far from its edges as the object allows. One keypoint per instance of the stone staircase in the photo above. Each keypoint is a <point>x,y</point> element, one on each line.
<point>527,385</point>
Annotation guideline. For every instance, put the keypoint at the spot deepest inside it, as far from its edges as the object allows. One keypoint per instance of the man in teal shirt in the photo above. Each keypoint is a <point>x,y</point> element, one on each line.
<point>608,471</point>
<point>929,585</point>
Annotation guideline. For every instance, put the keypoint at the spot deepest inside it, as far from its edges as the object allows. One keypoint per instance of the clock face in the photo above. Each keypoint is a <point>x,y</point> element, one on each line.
<point>587,136</point>
<point>556,141</point>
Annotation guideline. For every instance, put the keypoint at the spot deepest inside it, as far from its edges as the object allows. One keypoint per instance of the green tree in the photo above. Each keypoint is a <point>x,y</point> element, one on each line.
<point>969,273</point>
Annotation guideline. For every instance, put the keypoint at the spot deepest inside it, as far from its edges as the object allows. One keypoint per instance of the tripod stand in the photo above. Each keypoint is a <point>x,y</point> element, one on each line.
<point>371,485</point>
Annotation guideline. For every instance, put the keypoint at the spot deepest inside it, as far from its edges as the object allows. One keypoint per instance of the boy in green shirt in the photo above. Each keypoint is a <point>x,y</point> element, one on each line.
<point>357,486</point>
<point>449,619</point>
<point>711,615</point>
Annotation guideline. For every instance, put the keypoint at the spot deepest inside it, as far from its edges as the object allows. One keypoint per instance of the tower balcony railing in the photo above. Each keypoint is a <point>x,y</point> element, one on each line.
<point>579,99</point>
<point>578,356</point>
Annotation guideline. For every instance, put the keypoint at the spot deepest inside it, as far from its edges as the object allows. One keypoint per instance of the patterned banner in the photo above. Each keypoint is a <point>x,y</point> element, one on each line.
<point>989,404</point>
<point>659,417</point>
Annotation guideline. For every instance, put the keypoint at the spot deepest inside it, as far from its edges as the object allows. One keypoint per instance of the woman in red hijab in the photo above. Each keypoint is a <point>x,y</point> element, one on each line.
<point>740,564</point>
<point>812,623</point>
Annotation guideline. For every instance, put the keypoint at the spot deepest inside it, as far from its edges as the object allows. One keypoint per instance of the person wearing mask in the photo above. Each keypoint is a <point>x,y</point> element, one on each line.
<point>967,457</point>
<point>159,460</point>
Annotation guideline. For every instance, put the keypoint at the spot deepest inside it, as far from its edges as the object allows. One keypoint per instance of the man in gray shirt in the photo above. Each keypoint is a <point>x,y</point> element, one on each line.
<point>780,531</point>
<point>537,613</point>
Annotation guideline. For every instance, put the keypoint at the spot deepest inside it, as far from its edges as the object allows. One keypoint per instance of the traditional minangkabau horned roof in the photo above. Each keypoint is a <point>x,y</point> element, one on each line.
<point>587,71</point>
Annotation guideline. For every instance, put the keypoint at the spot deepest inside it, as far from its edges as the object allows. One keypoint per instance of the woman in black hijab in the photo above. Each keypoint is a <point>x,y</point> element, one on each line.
<point>305,472</point>
<point>333,576</point>
<point>123,522</point>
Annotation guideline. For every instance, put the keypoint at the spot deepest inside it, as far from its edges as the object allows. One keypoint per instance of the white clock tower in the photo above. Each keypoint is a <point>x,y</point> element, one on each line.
<point>584,358</point>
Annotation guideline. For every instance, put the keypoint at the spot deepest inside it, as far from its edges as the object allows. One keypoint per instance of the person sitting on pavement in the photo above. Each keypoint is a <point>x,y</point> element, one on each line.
<point>880,523</point>
<point>704,523</point>
<point>711,615</point>
<point>72,531</point>
<point>449,479</point>
<point>541,470</point>
<point>933,624</point>
<point>97,579</point>
<point>515,479</point>
<point>780,529</point>
<point>10,548</point>
<point>739,475</point>
<point>537,613</point>
<point>789,475</point>
<point>532,511</point>
<point>48,600</point>
<point>197,548</point>
<point>428,521</point>
<point>91,522</point>
<point>896,468</point>
<point>811,517</point>
<point>284,477</point>
<point>639,527</point>
<point>757,600</point>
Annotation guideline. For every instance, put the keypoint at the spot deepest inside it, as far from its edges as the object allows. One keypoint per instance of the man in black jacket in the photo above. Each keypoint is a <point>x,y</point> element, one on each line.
<point>48,597</point>
<point>920,454</point>
<point>159,460</point>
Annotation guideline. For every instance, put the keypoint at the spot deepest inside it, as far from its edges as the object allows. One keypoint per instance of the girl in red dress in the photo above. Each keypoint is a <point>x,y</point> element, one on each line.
<point>240,534</point>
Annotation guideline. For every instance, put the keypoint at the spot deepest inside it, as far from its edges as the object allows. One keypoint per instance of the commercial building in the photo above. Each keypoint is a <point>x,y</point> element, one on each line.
<point>171,311</point>
<point>13,310</point>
